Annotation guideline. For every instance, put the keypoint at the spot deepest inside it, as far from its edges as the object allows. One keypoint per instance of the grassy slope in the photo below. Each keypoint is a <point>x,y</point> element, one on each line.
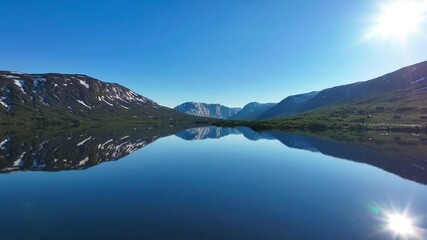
<point>398,110</point>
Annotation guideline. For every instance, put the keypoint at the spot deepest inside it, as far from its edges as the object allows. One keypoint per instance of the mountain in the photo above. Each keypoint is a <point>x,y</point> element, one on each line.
<point>403,88</point>
<point>252,111</point>
<point>207,110</point>
<point>287,106</point>
<point>72,97</point>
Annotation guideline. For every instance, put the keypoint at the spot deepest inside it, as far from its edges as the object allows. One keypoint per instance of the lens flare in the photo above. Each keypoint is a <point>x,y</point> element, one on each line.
<point>397,222</point>
<point>400,224</point>
<point>399,19</point>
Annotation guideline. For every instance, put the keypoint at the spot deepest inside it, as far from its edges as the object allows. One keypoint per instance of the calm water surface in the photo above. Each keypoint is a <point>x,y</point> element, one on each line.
<point>196,185</point>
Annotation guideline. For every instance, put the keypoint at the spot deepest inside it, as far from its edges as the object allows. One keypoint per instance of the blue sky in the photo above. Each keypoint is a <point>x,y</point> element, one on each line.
<point>230,52</point>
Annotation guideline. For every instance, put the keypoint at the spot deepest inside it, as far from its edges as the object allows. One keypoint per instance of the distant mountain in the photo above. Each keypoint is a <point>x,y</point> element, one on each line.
<point>65,97</point>
<point>287,106</point>
<point>403,88</point>
<point>252,111</point>
<point>207,110</point>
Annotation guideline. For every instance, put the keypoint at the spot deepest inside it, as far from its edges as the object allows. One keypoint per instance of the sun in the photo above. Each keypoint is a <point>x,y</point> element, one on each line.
<point>400,224</point>
<point>399,19</point>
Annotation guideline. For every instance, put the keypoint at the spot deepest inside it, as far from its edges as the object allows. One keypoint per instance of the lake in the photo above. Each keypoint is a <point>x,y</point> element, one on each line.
<point>212,183</point>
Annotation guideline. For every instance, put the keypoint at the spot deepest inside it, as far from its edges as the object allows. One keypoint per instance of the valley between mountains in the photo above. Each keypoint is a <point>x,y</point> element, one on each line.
<point>396,100</point>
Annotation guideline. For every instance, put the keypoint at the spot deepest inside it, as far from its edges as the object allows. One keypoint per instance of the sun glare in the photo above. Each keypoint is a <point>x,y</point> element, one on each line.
<point>398,19</point>
<point>400,224</point>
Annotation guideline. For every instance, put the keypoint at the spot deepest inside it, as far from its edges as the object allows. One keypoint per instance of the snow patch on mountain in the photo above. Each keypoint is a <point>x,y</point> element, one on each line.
<point>84,141</point>
<point>84,83</point>
<point>38,81</point>
<point>20,84</point>
<point>84,104</point>
<point>419,80</point>
<point>84,161</point>
<point>420,89</point>
<point>4,104</point>
<point>105,101</point>
<point>104,144</point>
<point>7,139</point>
<point>9,76</point>
<point>19,161</point>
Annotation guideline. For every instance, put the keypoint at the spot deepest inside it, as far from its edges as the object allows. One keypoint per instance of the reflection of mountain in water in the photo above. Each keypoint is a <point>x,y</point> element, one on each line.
<point>406,157</point>
<point>206,132</point>
<point>82,149</point>
<point>254,136</point>
<point>402,154</point>
<point>201,133</point>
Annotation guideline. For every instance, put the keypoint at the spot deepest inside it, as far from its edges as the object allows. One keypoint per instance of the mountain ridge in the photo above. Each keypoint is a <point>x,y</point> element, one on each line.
<point>211,110</point>
<point>252,111</point>
<point>77,97</point>
<point>410,79</point>
<point>73,97</point>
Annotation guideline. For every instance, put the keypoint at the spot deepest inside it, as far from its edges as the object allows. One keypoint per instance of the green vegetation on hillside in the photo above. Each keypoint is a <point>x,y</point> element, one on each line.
<point>397,111</point>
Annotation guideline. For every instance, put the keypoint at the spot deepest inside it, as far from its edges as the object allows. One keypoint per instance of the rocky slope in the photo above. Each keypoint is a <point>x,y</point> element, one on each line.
<point>207,110</point>
<point>62,97</point>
